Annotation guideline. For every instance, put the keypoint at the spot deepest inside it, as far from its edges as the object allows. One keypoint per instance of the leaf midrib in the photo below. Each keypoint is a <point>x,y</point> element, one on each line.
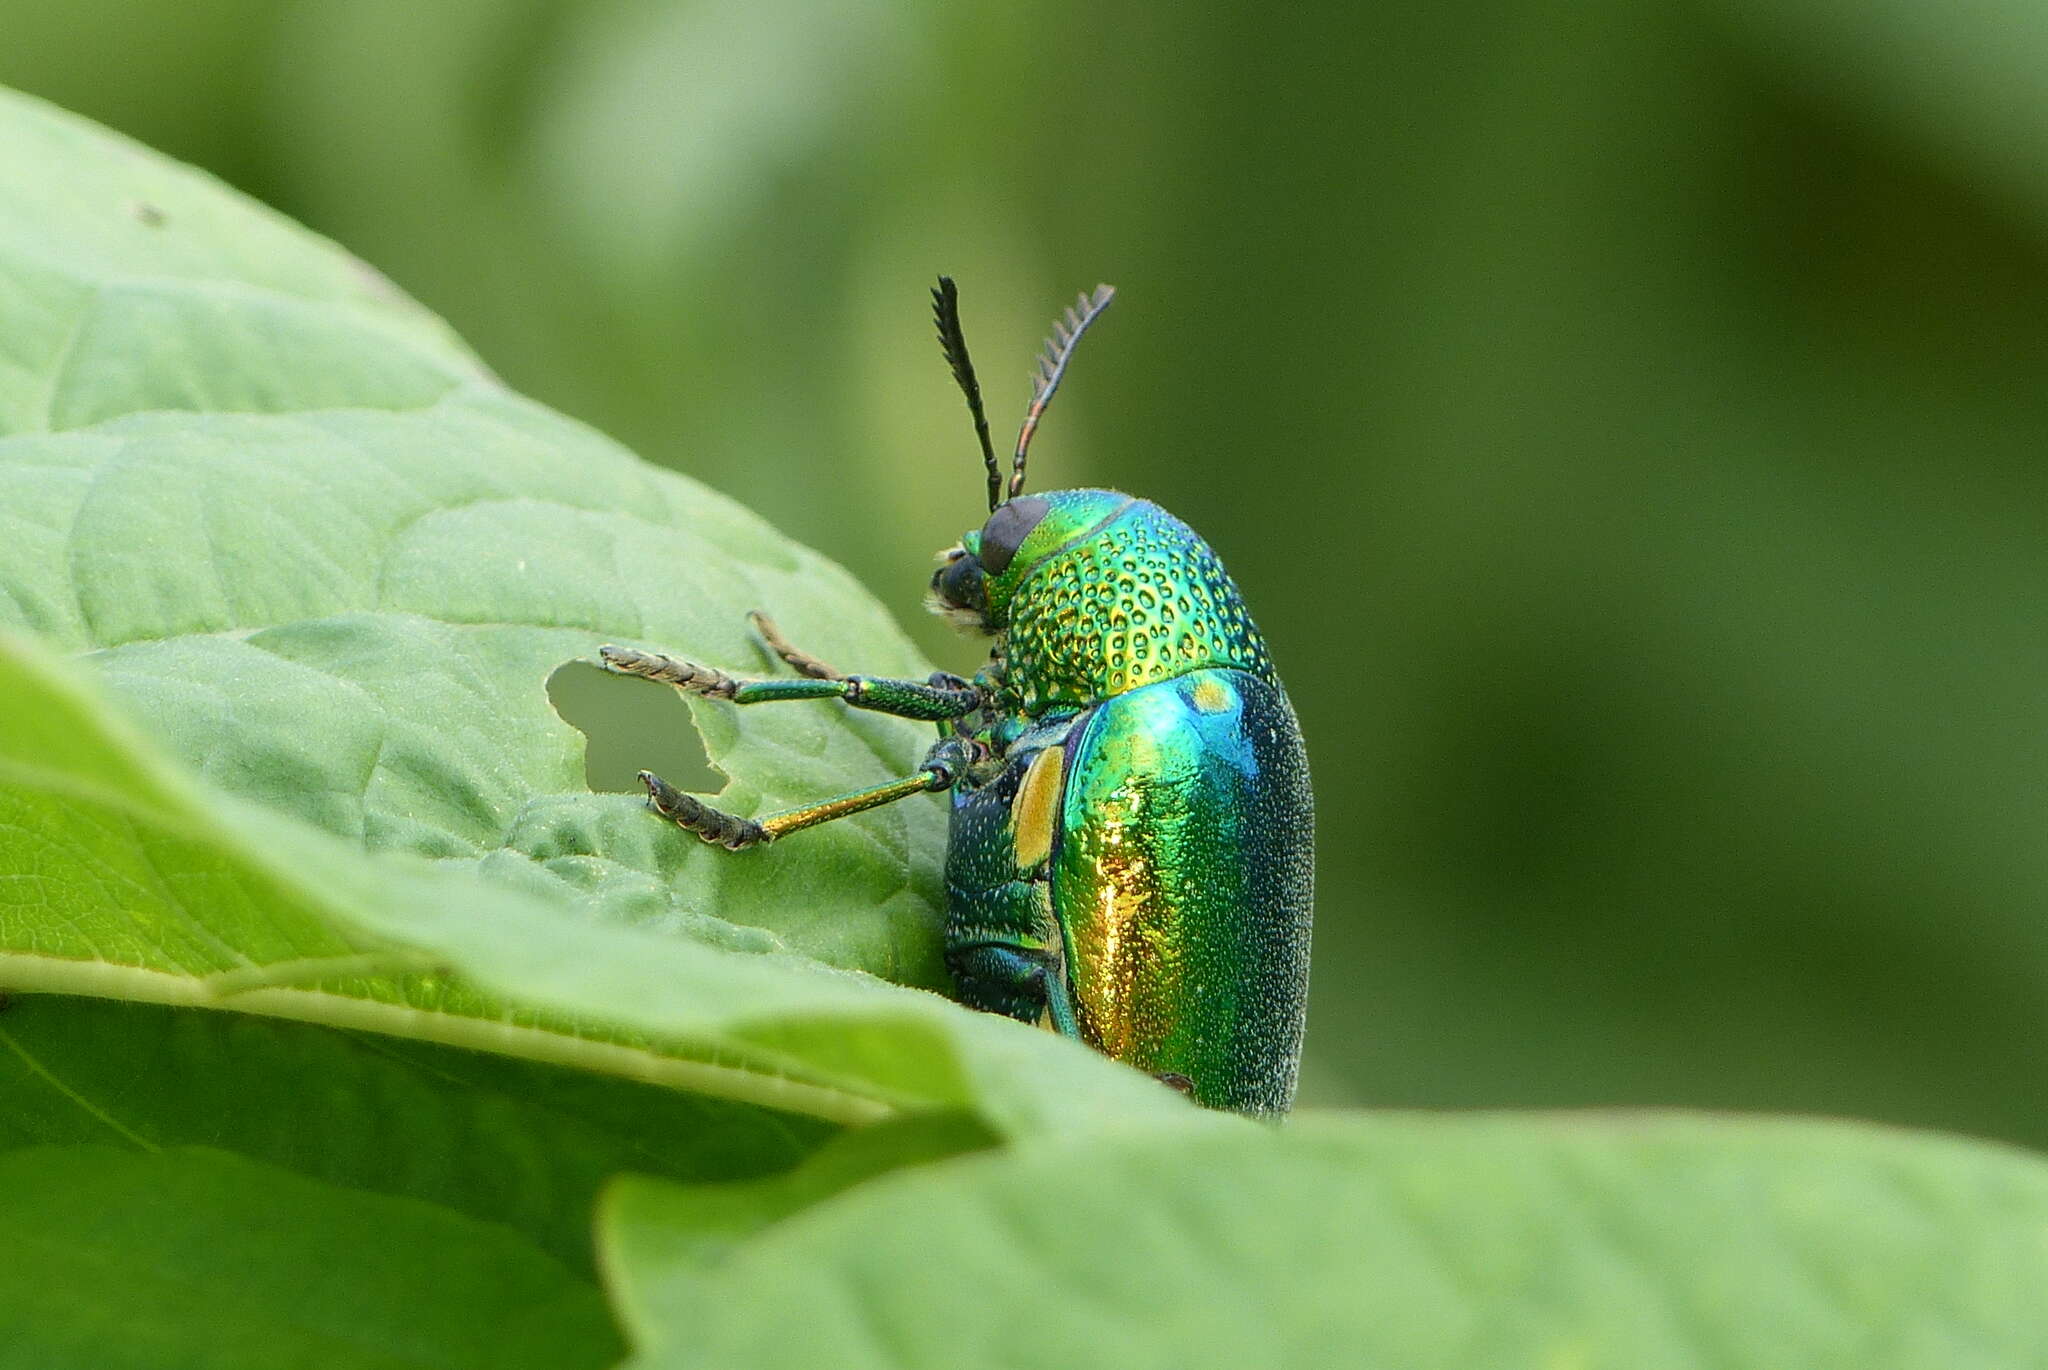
<point>27,973</point>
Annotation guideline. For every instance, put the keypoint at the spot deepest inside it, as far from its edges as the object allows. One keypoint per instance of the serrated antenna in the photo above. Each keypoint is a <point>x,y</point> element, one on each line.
<point>953,342</point>
<point>1052,365</point>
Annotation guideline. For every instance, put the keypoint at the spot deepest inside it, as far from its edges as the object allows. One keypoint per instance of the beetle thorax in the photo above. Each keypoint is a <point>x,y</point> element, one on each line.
<point>1140,600</point>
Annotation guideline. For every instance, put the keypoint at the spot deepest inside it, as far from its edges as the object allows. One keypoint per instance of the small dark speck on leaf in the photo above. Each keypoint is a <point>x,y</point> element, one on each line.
<point>147,214</point>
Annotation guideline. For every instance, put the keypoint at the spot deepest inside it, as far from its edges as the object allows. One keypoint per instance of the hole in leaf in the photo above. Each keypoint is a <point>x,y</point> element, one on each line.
<point>631,726</point>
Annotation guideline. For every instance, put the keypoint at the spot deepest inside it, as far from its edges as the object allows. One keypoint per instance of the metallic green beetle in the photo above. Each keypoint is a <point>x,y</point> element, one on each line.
<point>1131,851</point>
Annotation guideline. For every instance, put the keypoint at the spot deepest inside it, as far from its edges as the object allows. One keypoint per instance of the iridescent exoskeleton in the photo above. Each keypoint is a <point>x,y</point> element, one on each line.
<point>1131,853</point>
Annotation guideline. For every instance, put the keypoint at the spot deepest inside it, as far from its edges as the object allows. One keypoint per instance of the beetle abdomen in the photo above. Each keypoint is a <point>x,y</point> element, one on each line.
<point>1001,938</point>
<point>1182,878</point>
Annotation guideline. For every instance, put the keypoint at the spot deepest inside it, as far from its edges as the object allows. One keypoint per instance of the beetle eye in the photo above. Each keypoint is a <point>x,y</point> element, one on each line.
<point>958,583</point>
<point>1006,530</point>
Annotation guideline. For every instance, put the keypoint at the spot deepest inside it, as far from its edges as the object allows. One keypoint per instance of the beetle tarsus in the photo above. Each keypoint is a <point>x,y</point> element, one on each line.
<point>802,662</point>
<point>693,815</point>
<point>684,675</point>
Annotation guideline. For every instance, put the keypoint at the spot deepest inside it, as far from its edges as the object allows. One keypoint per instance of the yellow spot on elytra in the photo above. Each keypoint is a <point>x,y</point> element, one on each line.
<point>1036,808</point>
<point>1210,696</point>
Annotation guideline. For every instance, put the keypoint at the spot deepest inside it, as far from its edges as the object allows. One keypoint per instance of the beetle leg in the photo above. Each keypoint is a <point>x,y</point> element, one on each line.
<point>737,834</point>
<point>942,767</point>
<point>930,701</point>
<point>1059,1006</point>
<point>803,663</point>
<point>1002,973</point>
<point>669,670</point>
<point>1017,977</point>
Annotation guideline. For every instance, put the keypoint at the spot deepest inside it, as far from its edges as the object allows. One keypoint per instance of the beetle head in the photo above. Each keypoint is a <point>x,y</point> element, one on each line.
<point>961,586</point>
<point>977,577</point>
<point>974,579</point>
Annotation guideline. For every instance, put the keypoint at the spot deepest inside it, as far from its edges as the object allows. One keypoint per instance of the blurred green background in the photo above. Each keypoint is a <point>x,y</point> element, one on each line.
<point>1624,418</point>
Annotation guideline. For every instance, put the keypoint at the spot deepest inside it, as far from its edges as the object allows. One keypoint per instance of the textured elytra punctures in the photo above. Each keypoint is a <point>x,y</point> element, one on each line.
<point>1143,600</point>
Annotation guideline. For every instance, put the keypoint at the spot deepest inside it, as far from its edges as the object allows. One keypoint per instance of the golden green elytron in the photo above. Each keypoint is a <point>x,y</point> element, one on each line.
<point>1131,859</point>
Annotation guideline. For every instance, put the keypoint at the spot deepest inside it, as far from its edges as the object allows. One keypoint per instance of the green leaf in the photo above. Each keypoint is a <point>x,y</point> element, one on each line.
<point>327,562</point>
<point>192,1257</point>
<point>333,564</point>
<point>702,1224</point>
<point>135,885</point>
<point>1631,1243</point>
<point>498,1139</point>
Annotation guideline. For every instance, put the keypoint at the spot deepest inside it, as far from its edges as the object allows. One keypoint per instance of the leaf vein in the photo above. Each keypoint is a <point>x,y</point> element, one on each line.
<point>84,1105</point>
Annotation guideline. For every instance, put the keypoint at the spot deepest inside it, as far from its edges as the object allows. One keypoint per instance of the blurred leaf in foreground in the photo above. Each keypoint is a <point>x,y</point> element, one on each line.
<point>1609,1243</point>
